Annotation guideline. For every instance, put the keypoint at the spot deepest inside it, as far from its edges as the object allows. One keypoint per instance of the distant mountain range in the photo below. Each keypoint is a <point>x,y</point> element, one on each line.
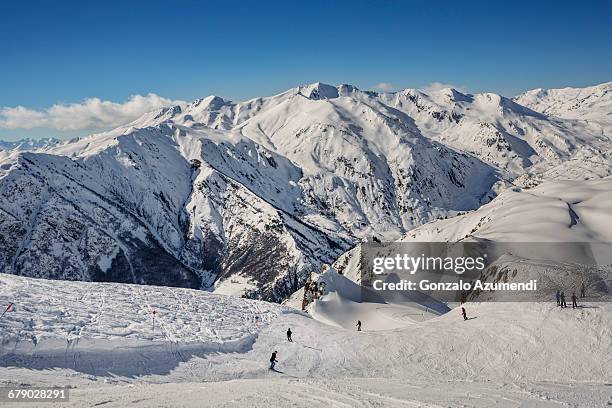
<point>593,102</point>
<point>248,198</point>
<point>28,144</point>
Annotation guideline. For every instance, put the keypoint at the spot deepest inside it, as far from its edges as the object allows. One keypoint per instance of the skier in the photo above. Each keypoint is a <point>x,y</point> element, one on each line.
<point>563,304</point>
<point>358,325</point>
<point>463,313</point>
<point>574,303</point>
<point>582,291</point>
<point>273,360</point>
<point>558,296</point>
<point>289,335</point>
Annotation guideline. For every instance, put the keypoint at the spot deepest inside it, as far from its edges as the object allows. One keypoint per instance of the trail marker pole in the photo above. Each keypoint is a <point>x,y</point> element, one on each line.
<point>154,312</point>
<point>7,309</point>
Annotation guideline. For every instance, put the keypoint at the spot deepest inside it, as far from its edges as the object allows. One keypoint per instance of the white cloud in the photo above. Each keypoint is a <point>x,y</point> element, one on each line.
<point>436,86</point>
<point>383,86</point>
<point>93,113</point>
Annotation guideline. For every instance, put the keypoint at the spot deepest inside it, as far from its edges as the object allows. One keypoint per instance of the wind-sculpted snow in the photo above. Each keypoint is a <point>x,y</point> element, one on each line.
<point>47,310</point>
<point>249,198</point>
<point>107,323</point>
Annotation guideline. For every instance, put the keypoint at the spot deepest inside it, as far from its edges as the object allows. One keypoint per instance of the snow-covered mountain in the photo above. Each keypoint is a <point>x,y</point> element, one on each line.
<point>251,197</point>
<point>29,144</point>
<point>592,103</point>
<point>8,148</point>
<point>519,222</point>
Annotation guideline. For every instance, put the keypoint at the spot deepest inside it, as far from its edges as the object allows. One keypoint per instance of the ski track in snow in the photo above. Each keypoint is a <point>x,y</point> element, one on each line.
<point>210,350</point>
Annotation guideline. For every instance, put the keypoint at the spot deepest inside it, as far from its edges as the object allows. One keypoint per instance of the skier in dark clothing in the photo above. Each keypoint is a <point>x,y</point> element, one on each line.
<point>273,360</point>
<point>582,291</point>
<point>289,335</point>
<point>358,325</point>
<point>574,298</point>
<point>463,313</point>
<point>563,304</point>
<point>558,296</point>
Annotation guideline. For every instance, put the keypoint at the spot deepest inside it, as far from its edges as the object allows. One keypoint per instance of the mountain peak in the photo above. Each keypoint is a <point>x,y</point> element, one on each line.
<point>454,95</point>
<point>211,101</point>
<point>318,91</point>
<point>347,89</point>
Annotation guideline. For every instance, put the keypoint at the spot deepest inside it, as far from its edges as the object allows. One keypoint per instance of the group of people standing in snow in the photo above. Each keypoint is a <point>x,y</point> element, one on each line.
<point>560,296</point>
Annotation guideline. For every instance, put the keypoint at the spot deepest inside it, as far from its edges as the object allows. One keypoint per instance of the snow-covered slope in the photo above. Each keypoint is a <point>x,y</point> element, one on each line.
<point>558,212</point>
<point>47,311</point>
<point>592,103</point>
<point>554,211</point>
<point>29,144</point>
<point>251,197</point>
<point>90,335</point>
<point>342,303</point>
<point>129,206</point>
<point>498,130</point>
<point>591,106</point>
<point>13,148</point>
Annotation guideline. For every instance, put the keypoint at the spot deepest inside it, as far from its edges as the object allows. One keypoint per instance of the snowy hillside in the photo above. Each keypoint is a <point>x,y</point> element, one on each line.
<point>251,197</point>
<point>553,212</point>
<point>99,339</point>
<point>29,144</point>
<point>13,148</point>
<point>592,103</point>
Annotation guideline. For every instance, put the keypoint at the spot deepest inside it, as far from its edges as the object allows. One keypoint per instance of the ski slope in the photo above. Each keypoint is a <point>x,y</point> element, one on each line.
<point>212,350</point>
<point>342,305</point>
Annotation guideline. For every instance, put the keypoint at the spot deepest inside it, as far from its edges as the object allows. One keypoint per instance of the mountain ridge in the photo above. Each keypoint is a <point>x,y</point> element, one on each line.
<point>592,102</point>
<point>250,197</point>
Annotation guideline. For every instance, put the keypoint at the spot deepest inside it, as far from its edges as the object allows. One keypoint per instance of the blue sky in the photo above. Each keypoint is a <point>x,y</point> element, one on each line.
<point>65,52</point>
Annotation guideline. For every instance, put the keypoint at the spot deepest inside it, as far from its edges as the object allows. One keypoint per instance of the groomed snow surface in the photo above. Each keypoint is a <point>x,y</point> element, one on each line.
<point>213,350</point>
